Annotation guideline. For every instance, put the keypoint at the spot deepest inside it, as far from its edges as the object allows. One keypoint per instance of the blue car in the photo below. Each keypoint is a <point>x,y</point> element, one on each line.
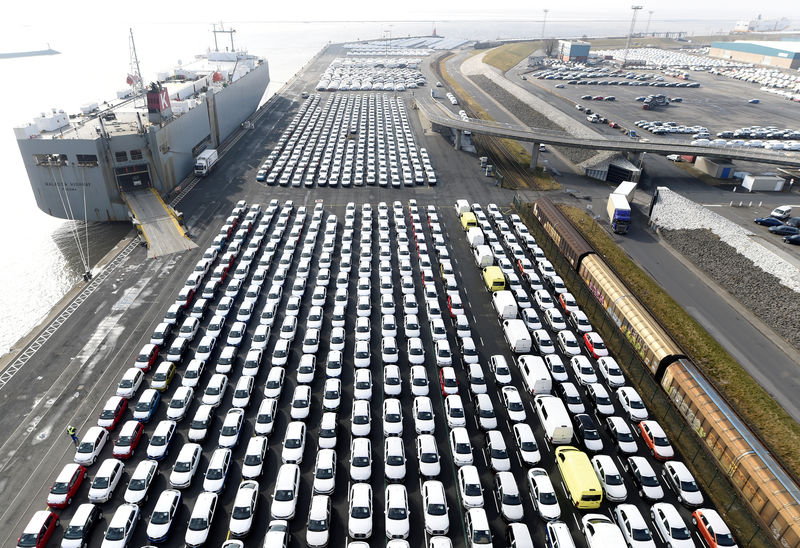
<point>768,221</point>
<point>784,230</point>
<point>795,239</point>
<point>146,406</point>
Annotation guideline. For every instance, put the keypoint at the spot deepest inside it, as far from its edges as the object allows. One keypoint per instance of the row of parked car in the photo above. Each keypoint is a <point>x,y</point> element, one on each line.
<point>351,140</point>
<point>373,74</point>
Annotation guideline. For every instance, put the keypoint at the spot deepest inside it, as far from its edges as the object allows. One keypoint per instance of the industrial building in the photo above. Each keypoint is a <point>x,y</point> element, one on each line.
<point>569,50</point>
<point>777,53</point>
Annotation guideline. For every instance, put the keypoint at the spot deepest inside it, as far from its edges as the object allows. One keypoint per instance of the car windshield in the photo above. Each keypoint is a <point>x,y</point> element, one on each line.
<point>516,406</point>
<point>486,413</point>
<point>241,512</point>
<point>198,524</point>
<point>682,533</point>
<point>463,448</point>
<point>528,446</point>
<point>591,434</point>
<point>229,430</point>
<point>253,460</point>
<point>108,413</point>
<point>624,436</point>
<point>512,498</point>
<point>397,513</point>
<point>425,415</point>
<point>143,406</point>
<point>481,537</point>
<point>100,482</point>
<point>300,403</point>
<point>362,385</point>
<point>689,486</point>
<point>360,461</point>
<point>284,495</point>
<point>360,512</point>
<point>395,460</point>
<point>125,383</point>
<point>292,443</point>
<point>159,518</point>
<point>499,454</point>
<point>547,497</point>
<point>649,481</point>
<point>392,417</point>
<point>115,533</point>
<point>318,525</point>
<point>59,488</point>
<point>661,442</point>
<point>183,466</point>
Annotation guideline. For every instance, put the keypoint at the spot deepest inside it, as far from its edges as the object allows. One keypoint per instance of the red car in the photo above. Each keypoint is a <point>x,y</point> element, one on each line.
<point>448,381</point>
<point>147,357</point>
<point>112,412</point>
<point>66,485</point>
<point>594,345</point>
<point>712,528</point>
<point>129,436</point>
<point>39,529</point>
<point>656,440</point>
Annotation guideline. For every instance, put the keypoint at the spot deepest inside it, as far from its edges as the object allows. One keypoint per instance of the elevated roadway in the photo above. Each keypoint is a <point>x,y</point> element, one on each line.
<point>440,116</point>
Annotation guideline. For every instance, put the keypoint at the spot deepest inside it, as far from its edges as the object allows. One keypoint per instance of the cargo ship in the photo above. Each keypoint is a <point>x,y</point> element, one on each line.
<point>81,165</point>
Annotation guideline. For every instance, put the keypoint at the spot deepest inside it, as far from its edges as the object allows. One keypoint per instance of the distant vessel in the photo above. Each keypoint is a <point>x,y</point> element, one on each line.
<point>762,25</point>
<point>31,53</point>
<point>79,164</point>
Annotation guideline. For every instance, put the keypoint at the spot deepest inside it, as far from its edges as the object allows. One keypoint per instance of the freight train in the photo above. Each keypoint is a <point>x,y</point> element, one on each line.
<point>772,495</point>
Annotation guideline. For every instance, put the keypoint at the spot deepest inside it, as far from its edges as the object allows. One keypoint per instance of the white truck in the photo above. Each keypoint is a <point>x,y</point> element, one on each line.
<point>505,304</point>
<point>626,188</point>
<point>475,237</point>
<point>517,335</point>
<point>554,418</point>
<point>535,374</point>
<point>483,256</point>
<point>205,161</point>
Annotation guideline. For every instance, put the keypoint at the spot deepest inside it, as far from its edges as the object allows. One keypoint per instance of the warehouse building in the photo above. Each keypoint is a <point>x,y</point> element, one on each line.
<point>781,54</point>
<point>569,50</point>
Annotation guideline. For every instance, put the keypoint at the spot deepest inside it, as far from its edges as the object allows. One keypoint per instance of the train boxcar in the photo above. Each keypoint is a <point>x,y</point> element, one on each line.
<point>568,240</point>
<point>763,484</point>
<point>654,346</point>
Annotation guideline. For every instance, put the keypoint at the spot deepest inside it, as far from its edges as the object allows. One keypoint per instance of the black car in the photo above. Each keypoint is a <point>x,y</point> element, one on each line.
<point>83,522</point>
<point>784,230</point>
<point>767,221</point>
<point>795,239</point>
<point>586,432</point>
<point>794,221</point>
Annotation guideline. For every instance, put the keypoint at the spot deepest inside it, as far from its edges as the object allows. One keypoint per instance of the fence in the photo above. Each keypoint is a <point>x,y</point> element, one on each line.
<point>684,438</point>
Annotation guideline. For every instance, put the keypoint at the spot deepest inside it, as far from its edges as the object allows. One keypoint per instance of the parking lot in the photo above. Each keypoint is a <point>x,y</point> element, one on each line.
<point>400,232</point>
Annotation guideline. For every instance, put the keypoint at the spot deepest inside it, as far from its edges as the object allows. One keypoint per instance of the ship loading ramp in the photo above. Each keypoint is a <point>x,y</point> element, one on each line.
<point>157,223</point>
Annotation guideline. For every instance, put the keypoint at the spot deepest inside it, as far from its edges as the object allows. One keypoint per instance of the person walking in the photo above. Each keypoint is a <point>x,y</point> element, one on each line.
<point>73,434</point>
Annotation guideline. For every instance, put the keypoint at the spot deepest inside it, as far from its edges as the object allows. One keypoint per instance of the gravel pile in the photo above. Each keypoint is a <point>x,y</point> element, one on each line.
<point>674,212</point>
<point>529,116</point>
<point>762,293</point>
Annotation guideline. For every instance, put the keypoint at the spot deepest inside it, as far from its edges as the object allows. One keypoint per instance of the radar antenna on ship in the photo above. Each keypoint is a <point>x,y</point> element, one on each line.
<point>222,30</point>
<point>134,74</point>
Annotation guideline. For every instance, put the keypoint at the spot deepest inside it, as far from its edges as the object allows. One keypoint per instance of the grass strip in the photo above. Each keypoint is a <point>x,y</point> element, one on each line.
<point>507,56</point>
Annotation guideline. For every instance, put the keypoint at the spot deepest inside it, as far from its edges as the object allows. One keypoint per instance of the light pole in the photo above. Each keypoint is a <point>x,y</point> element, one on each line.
<point>630,34</point>
<point>544,21</point>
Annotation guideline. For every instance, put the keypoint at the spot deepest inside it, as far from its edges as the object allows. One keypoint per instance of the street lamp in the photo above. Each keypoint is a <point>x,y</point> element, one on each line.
<point>630,34</point>
<point>544,21</point>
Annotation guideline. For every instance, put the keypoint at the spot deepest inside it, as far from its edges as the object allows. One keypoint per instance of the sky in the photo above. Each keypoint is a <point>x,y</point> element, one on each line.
<point>92,12</point>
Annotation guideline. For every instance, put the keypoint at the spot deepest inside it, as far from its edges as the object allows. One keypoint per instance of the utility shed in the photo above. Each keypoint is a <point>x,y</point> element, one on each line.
<point>763,183</point>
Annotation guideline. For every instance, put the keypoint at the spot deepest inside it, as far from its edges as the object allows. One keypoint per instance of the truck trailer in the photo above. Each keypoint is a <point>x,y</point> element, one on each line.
<point>205,161</point>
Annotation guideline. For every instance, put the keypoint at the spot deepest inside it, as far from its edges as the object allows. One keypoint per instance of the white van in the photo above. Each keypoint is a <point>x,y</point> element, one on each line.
<point>505,304</point>
<point>535,375</point>
<point>517,335</point>
<point>554,418</point>
<point>461,206</point>
<point>782,212</point>
<point>475,237</point>
<point>483,256</point>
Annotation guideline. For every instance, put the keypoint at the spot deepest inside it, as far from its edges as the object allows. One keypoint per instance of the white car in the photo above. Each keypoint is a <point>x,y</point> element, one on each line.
<point>556,366</point>
<point>438,330</point>
<point>217,470</point>
<point>328,428</point>
<point>469,352</point>
<point>469,486</point>
<point>680,480</point>
<point>200,520</point>
<point>294,443</point>
<point>361,354</point>
<point>363,329</point>
<point>315,317</point>
<point>301,402</point>
<point>254,457</point>
<point>390,353</point>
<point>311,341</point>
<point>526,444</point>
<point>231,427</point>
<point>325,472</point>
<point>611,372</point>
<point>185,465</point>
<point>332,395</point>
<point>531,319</point>
<point>444,356</point>
<point>288,328</point>
<point>333,365</point>
<point>583,370</point>
<point>598,395</point>
<point>360,459</point>
<point>244,509</point>
<point>359,523</point>
<point>543,299</point>
<point>419,381</point>
<point>180,402</point>
<point>601,532</point>
<point>460,446</point>
<point>542,342</point>
<point>284,495</point>
<point>632,403</point>
<point>513,403</point>
<point>669,525</point>
<point>319,522</point>
<point>633,527</point>
<point>434,504</point>
<point>644,478</point>
<point>487,419</point>
<point>121,527</point>
<point>392,417</point>
<point>163,515</point>
<point>507,494</point>
<point>105,481</point>
<point>362,383</point>
<point>140,482</point>
<point>160,439</point>
<point>454,411</point>
<point>422,411</point>
<point>428,456</point>
<point>394,459</point>
<point>193,372</point>
<point>568,343</point>
<point>411,326</point>
<point>274,385</point>
<point>130,383</point>
<point>265,419</point>
<point>252,361</point>
<point>497,452</point>
<point>306,369</point>
<point>215,326</point>
<point>543,495</point>
<point>610,478</point>
<point>392,384</point>
<point>499,368</point>
<point>396,516</point>
<point>555,320</point>
<point>388,325</point>
<point>226,359</point>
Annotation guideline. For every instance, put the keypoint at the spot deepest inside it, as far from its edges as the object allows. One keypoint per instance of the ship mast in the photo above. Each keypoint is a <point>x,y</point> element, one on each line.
<point>222,31</point>
<point>135,76</point>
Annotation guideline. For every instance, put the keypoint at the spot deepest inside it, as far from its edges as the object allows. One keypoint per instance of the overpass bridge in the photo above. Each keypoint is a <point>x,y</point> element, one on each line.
<point>441,116</point>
